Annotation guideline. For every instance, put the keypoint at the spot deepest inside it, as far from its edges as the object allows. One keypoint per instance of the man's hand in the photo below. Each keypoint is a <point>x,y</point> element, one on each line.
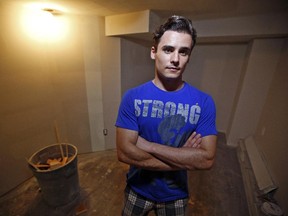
<point>194,141</point>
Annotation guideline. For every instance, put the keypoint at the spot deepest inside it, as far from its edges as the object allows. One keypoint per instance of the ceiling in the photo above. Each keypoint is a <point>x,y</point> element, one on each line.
<point>194,9</point>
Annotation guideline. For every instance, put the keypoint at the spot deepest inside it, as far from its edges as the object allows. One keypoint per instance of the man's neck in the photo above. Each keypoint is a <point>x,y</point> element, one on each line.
<point>169,85</point>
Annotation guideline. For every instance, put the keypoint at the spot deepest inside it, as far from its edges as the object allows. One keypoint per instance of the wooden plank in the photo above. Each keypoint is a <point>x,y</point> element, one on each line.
<point>247,175</point>
<point>263,178</point>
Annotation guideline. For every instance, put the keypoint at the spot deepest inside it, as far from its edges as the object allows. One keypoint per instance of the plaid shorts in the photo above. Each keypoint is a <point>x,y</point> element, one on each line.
<point>137,205</point>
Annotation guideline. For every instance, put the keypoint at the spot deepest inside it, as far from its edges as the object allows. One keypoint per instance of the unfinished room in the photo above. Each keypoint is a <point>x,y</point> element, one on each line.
<point>70,144</point>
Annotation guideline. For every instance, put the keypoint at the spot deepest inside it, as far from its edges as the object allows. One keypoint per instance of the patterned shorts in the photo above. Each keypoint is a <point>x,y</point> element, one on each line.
<point>137,205</point>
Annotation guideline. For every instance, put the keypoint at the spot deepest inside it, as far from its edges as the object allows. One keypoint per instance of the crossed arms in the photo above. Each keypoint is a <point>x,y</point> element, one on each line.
<point>196,153</point>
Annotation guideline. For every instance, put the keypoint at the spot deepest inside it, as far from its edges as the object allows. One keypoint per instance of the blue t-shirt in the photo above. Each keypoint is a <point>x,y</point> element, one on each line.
<point>166,118</point>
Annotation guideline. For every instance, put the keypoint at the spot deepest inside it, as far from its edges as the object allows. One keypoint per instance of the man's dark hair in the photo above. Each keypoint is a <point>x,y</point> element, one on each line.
<point>175,23</point>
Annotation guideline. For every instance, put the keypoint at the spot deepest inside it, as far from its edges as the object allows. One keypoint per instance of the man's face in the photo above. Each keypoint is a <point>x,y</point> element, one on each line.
<point>172,55</point>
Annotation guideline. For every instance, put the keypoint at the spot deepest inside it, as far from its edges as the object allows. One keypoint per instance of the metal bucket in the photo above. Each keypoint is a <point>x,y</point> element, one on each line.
<point>59,186</point>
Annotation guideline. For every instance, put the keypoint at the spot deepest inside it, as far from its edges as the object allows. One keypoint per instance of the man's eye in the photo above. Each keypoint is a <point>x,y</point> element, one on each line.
<point>184,52</point>
<point>168,50</point>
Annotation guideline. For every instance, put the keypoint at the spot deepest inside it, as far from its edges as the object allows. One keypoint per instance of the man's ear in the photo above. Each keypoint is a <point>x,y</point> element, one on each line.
<point>153,52</point>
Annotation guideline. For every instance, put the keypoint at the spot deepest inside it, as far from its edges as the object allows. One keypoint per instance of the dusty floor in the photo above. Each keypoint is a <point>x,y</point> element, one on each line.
<point>218,191</point>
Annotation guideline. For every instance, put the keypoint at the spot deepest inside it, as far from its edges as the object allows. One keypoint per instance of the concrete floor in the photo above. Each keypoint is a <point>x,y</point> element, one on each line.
<point>218,191</point>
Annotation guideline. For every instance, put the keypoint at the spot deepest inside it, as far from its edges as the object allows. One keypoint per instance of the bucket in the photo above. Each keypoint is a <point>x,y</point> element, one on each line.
<point>60,185</point>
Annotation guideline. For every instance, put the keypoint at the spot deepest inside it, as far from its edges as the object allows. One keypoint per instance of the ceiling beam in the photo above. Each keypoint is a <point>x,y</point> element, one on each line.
<point>140,25</point>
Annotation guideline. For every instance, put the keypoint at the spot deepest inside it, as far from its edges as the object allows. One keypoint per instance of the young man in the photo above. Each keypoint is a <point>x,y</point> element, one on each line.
<point>165,127</point>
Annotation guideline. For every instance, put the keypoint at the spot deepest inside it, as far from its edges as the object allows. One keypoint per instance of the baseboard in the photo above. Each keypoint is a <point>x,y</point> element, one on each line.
<point>249,181</point>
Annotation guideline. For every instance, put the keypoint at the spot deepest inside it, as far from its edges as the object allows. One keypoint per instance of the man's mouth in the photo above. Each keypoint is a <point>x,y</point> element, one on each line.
<point>173,68</point>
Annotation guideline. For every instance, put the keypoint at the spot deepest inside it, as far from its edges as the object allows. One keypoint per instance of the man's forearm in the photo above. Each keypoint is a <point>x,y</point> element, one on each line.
<point>145,160</point>
<point>129,153</point>
<point>184,158</point>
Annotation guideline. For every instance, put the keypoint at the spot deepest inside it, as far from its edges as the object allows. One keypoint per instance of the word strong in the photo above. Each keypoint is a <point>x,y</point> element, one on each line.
<point>159,109</point>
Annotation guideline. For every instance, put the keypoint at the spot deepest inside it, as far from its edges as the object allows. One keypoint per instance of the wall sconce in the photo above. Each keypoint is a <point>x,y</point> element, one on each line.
<point>44,24</point>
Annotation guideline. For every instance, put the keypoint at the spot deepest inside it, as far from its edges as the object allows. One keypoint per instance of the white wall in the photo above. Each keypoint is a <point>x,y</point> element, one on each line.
<point>259,70</point>
<point>44,81</point>
<point>93,74</point>
<point>216,69</point>
<point>111,84</point>
<point>136,65</point>
<point>271,134</point>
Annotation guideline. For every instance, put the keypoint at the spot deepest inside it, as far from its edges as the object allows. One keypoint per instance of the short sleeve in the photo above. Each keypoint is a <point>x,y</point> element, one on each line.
<point>207,122</point>
<point>126,114</point>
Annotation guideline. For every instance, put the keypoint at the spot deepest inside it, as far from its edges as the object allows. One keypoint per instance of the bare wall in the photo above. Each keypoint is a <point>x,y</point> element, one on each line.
<point>271,135</point>
<point>261,64</point>
<point>111,84</point>
<point>216,69</point>
<point>40,82</point>
<point>136,65</point>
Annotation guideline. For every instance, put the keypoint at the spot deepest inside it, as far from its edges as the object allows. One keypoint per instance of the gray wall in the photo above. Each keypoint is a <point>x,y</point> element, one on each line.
<point>136,65</point>
<point>271,134</point>
<point>44,82</point>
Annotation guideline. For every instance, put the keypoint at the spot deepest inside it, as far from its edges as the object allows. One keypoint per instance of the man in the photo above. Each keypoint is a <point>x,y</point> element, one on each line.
<point>165,127</point>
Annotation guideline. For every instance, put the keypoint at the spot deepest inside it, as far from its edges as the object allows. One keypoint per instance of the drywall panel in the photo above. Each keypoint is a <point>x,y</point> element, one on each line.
<point>271,135</point>
<point>41,82</point>
<point>136,65</point>
<point>111,84</point>
<point>264,181</point>
<point>260,69</point>
<point>216,69</point>
<point>130,23</point>
<point>91,29</point>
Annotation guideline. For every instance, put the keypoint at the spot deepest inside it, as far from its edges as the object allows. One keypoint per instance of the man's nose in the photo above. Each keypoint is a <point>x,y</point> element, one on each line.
<point>175,58</point>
